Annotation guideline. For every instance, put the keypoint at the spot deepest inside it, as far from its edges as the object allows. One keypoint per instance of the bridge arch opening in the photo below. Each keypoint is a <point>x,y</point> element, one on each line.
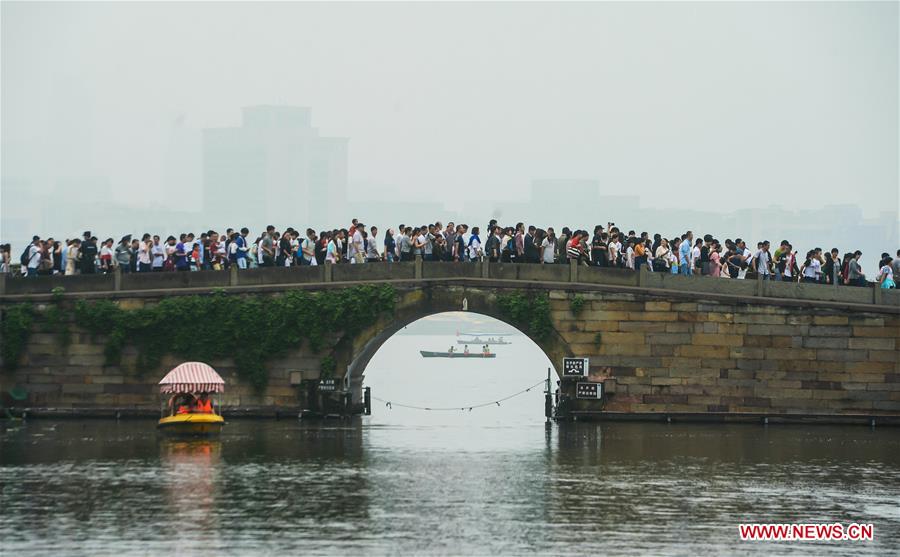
<point>447,388</point>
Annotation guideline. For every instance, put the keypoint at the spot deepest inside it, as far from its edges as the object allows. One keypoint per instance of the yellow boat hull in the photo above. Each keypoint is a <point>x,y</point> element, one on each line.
<point>192,424</point>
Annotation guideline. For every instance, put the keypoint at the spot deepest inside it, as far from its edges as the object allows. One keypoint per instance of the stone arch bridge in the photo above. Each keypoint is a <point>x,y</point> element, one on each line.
<point>661,345</point>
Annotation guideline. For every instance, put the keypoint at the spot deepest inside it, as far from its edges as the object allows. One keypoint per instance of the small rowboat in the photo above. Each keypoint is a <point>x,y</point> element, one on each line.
<point>190,410</point>
<point>428,354</point>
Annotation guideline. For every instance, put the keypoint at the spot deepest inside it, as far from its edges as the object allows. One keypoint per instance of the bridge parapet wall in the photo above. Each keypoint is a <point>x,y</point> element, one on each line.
<point>113,284</point>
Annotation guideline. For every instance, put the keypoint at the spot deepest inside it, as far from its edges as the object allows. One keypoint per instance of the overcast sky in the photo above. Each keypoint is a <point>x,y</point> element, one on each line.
<point>694,104</point>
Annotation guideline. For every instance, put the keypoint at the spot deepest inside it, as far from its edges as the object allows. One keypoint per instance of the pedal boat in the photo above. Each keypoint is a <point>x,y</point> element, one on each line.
<point>184,386</point>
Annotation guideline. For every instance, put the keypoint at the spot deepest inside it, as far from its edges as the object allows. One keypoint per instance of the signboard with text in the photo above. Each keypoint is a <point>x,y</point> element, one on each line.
<point>589,390</point>
<point>575,368</point>
<point>328,385</point>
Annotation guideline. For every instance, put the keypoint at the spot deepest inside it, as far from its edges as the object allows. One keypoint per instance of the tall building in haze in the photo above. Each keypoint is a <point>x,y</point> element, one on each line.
<point>274,169</point>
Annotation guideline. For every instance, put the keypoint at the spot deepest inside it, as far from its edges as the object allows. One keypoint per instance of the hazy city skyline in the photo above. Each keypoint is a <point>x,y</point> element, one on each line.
<point>459,108</point>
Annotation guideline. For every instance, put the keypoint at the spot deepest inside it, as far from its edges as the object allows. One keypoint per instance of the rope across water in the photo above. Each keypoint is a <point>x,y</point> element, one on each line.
<point>463,407</point>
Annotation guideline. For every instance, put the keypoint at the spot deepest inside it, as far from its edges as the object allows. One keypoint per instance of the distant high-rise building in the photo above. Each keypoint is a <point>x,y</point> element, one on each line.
<point>275,168</point>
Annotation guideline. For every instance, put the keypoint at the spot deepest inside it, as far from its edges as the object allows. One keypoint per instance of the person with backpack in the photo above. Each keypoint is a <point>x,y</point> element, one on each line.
<point>885,278</point>
<point>492,245</point>
<point>475,252</point>
<point>856,275</point>
<point>532,250</point>
<point>831,266</point>
<point>308,249</point>
<point>599,248</point>
<point>459,243</point>
<point>812,268</point>
<point>321,247</point>
<point>762,261</point>
<point>88,254</point>
<point>404,244</point>
<point>508,252</point>
<point>31,257</point>
<point>123,254</point>
<point>518,253</point>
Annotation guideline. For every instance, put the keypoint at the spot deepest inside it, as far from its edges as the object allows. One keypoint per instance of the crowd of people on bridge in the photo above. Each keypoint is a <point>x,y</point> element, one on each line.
<point>607,246</point>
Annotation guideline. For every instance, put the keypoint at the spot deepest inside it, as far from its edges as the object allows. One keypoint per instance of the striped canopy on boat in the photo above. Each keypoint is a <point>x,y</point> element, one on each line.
<point>192,377</point>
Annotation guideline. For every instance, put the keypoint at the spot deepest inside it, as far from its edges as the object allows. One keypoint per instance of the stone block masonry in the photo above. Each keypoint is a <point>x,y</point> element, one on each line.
<point>743,359</point>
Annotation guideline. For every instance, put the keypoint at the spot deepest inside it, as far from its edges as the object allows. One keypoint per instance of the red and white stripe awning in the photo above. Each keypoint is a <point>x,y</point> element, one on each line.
<point>192,377</point>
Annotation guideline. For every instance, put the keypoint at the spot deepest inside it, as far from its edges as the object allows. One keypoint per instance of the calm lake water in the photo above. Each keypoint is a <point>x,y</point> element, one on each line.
<point>489,481</point>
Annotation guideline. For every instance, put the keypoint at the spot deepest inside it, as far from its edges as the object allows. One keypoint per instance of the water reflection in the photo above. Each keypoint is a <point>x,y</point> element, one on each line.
<point>110,488</point>
<point>690,485</point>
<point>191,470</point>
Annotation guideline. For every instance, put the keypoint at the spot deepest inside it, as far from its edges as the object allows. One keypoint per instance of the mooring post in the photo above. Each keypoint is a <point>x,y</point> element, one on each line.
<point>418,267</point>
<point>548,399</point>
<point>573,270</point>
<point>233,276</point>
<point>117,278</point>
<point>328,267</point>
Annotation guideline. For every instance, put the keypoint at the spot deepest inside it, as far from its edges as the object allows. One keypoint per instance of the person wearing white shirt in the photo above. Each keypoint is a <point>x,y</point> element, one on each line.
<point>812,268</point>
<point>260,252</point>
<point>885,277</point>
<point>159,255</point>
<point>372,254</point>
<point>548,246</point>
<point>106,256</point>
<point>145,255</point>
<point>419,241</point>
<point>664,255</point>
<point>762,260</point>
<point>171,247</point>
<point>695,254</point>
<point>308,248</point>
<point>34,257</point>
<point>474,245</point>
<point>333,250</point>
<point>629,255</point>
<point>221,249</point>
<point>746,256</point>
<point>72,254</point>
<point>356,250</point>
<point>615,248</point>
<point>787,275</point>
